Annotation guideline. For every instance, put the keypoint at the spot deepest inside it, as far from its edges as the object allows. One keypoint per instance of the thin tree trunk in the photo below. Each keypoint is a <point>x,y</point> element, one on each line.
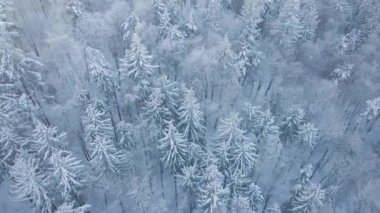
<point>162,182</point>
<point>176,193</point>
<point>117,105</point>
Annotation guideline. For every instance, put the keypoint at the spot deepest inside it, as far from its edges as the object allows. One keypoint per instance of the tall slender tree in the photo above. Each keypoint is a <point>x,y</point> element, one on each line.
<point>29,183</point>
<point>174,149</point>
<point>191,118</point>
<point>137,63</point>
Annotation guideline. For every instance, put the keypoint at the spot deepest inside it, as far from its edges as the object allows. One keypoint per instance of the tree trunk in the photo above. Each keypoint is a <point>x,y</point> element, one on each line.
<point>176,193</point>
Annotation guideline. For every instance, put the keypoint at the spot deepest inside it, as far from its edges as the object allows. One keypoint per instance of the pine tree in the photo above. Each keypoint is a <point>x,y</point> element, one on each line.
<point>137,63</point>
<point>125,134</point>
<point>106,159</point>
<point>251,115</point>
<point>165,21</point>
<point>307,196</point>
<point>297,21</point>
<point>129,28</point>
<point>249,56</point>
<point>67,172</point>
<point>255,196</point>
<point>75,8</point>
<point>243,155</point>
<point>240,204</point>
<point>167,25</point>
<point>287,28</point>
<point>191,25</point>
<point>96,123</point>
<point>229,134</point>
<point>254,10</point>
<point>100,70</point>
<point>212,197</point>
<point>196,153</point>
<point>191,118</point>
<point>154,108</point>
<point>30,184</point>
<point>309,19</point>
<point>159,8</point>
<point>264,126</point>
<point>45,141</point>
<point>189,179</point>
<point>227,60</point>
<point>342,73</point>
<point>211,13</point>
<point>172,95</point>
<point>291,124</point>
<point>174,149</point>
<point>10,142</point>
<point>372,110</point>
<point>211,172</point>
<point>308,134</point>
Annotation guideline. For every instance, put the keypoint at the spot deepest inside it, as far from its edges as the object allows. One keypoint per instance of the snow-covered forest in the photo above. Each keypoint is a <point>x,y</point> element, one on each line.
<point>198,106</point>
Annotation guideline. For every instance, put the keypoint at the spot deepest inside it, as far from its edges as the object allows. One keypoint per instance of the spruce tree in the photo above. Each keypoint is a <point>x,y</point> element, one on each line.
<point>100,70</point>
<point>174,149</point>
<point>229,134</point>
<point>45,141</point>
<point>106,159</point>
<point>191,118</point>
<point>29,183</point>
<point>67,172</point>
<point>137,63</point>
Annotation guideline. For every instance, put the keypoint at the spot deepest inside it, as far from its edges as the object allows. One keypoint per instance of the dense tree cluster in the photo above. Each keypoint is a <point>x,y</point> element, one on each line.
<point>190,106</point>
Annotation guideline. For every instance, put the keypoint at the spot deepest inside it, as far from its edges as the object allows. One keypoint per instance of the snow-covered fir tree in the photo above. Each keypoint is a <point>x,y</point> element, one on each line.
<point>137,63</point>
<point>191,25</point>
<point>155,110</point>
<point>240,204</point>
<point>75,8</point>
<point>264,125</point>
<point>307,196</point>
<point>10,142</point>
<point>172,95</point>
<point>291,124</point>
<point>191,118</point>
<point>173,147</point>
<point>372,110</point>
<point>212,196</point>
<point>29,183</point>
<point>129,28</point>
<point>308,134</point>
<point>96,122</point>
<point>249,55</point>
<point>135,132</point>
<point>342,73</point>
<point>45,141</point>
<point>255,195</point>
<point>227,60</point>
<point>243,155</point>
<point>229,134</point>
<point>287,28</point>
<point>190,179</point>
<point>125,133</point>
<point>106,158</point>
<point>67,172</point>
<point>100,70</point>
